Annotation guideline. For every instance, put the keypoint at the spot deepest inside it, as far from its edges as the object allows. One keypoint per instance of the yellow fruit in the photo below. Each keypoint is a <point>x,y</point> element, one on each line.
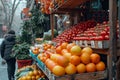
<point>37,77</point>
<point>28,77</point>
<point>87,50</point>
<point>75,50</point>
<point>30,73</point>
<point>33,78</point>
<point>35,72</point>
<point>70,69</point>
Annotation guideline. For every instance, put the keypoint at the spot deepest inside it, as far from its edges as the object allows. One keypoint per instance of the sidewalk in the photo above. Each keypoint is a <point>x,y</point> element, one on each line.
<point>3,71</point>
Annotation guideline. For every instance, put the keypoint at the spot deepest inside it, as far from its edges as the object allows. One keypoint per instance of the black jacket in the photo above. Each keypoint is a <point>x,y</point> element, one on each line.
<point>7,45</point>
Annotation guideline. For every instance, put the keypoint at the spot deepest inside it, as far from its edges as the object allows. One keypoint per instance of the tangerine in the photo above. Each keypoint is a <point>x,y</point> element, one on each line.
<point>75,60</point>
<point>64,51</point>
<point>90,67</point>
<point>59,49</point>
<point>70,69</point>
<point>100,66</point>
<point>69,46</point>
<point>87,50</point>
<point>85,58</point>
<point>58,70</point>
<point>95,58</point>
<point>81,68</point>
<point>64,45</point>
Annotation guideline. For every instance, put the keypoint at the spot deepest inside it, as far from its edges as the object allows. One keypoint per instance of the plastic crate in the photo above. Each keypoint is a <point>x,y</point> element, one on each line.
<point>41,64</point>
<point>34,56</point>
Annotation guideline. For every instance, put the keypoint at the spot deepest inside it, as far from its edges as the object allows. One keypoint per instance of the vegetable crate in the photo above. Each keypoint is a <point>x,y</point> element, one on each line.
<point>93,44</point>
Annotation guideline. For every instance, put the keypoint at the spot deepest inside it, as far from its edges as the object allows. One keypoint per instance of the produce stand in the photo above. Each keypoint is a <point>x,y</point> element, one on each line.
<point>113,50</point>
<point>86,76</point>
<point>109,48</point>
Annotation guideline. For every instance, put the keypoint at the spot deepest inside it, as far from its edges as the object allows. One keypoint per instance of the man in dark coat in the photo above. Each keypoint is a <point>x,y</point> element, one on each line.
<point>6,51</point>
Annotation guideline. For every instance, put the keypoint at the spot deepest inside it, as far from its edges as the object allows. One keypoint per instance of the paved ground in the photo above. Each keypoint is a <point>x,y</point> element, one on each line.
<point>3,71</point>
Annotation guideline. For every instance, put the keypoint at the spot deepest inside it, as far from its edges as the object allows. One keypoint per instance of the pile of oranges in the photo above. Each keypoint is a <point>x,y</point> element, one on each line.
<point>32,75</point>
<point>70,58</point>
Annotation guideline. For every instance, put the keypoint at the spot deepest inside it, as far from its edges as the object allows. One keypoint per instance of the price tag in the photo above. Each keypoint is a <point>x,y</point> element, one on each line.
<point>49,74</point>
<point>85,43</point>
<point>92,44</point>
<point>52,77</point>
<point>99,44</point>
<point>80,42</point>
<point>77,42</point>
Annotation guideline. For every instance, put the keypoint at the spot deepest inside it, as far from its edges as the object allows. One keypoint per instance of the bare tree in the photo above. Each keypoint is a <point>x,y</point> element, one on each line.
<point>9,11</point>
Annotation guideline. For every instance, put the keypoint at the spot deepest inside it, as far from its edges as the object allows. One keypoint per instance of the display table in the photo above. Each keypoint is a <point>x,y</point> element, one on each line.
<point>82,76</point>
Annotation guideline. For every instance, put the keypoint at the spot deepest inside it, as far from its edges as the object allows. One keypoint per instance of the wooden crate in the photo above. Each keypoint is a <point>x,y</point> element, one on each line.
<point>91,76</point>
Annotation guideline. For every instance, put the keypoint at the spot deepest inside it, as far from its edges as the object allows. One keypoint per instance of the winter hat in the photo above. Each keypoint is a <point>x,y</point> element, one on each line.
<point>11,32</point>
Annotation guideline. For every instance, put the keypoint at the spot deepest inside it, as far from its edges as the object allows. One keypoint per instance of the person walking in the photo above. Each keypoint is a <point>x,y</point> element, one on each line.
<point>6,51</point>
<point>60,23</point>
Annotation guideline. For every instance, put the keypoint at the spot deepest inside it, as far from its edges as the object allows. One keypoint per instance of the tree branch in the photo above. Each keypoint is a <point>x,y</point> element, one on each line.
<point>13,11</point>
<point>3,5</point>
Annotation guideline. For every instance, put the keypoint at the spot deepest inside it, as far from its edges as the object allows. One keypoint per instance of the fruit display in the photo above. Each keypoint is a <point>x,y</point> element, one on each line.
<point>29,73</point>
<point>69,58</point>
<point>96,37</point>
<point>69,34</point>
<point>99,32</point>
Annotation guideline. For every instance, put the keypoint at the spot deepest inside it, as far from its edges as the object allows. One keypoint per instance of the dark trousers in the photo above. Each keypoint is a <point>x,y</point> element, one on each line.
<point>11,68</point>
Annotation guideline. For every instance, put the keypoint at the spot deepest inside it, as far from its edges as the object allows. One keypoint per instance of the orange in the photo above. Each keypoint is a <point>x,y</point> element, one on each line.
<point>63,61</point>
<point>23,78</point>
<point>33,77</point>
<point>85,58</point>
<point>100,66</point>
<point>90,67</point>
<point>75,50</point>
<point>59,49</point>
<point>35,72</point>
<point>58,70</point>
<point>64,45</point>
<point>81,68</point>
<point>50,64</point>
<point>67,55</point>
<point>75,60</point>
<point>64,51</point>
<point>30,73</point>
<point>69,46</point>
<point>28,77</point>
<point>87,50</point>
<point>37,77</point>
<point>95,58</point>
<point>70,69</point>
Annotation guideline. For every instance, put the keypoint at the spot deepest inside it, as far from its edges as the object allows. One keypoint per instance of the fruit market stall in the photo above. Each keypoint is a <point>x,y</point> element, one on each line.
<point>100,37</point>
